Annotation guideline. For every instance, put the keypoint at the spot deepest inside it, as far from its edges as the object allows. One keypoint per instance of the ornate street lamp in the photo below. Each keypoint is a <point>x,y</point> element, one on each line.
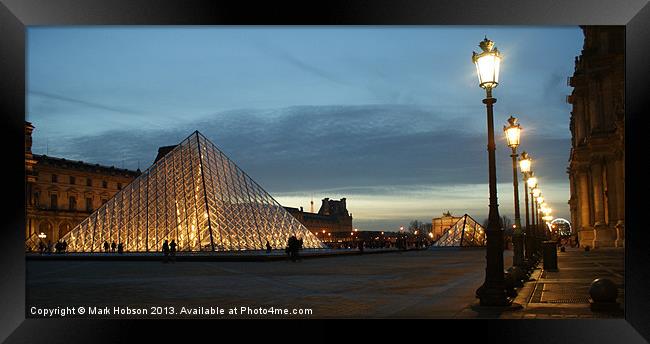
<point>525,165</point>
<point>513,134</point>
<point>493,290</point>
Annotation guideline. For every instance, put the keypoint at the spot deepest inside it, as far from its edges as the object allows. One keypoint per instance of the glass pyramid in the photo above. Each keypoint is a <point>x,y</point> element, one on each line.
<point>465,232</point>
<point>196,196</point>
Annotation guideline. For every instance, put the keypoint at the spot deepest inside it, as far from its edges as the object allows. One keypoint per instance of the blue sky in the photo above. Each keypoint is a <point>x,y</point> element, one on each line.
<point>389,117</point>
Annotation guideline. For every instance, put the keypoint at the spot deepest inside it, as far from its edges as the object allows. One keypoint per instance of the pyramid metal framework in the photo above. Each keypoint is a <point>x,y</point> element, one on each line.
<point>196,196</point>
<point>465,232</point>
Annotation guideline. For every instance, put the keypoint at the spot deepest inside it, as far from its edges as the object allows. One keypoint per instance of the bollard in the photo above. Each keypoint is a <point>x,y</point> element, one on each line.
<point>604,293</point>
<point>550,255</point>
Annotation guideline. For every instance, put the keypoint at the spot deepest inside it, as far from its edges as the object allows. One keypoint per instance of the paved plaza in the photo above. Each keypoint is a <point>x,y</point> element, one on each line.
<point>434,283</point>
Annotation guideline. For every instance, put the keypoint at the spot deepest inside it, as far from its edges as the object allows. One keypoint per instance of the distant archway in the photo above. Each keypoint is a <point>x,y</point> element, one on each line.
<point>562,227</point>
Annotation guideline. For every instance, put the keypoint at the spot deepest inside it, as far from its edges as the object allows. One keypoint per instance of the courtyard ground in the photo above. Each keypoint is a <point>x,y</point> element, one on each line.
<point>434,283</point>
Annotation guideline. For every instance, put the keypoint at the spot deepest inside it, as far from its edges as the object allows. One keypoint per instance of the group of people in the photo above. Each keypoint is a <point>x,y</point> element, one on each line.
<point>169,251</point>
<point>113,246</point>
<point>294,245</point>
<point>59,247</point>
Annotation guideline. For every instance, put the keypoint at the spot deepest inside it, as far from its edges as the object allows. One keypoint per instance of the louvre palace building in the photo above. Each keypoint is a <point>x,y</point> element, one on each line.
<point>192,194</point>
<point>597,159</point>
<point>61,193</point>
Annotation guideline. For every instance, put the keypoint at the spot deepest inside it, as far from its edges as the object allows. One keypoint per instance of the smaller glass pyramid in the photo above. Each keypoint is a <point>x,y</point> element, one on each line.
<point>466,232</point>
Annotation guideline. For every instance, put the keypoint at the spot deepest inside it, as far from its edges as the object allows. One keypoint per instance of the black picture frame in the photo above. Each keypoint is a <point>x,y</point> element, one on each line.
<point>16,15</point>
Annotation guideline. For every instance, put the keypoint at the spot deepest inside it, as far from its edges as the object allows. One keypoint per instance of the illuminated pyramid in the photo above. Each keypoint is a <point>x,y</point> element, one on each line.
<point>465,232</point>
<point>199,198</point>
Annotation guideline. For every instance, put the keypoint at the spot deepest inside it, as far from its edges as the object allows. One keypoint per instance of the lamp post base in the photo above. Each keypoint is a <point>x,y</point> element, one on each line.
<point>493,296</point>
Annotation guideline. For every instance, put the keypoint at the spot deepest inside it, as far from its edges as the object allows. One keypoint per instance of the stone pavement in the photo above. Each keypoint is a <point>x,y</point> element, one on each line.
<point>435,283</point>
<point>565,293</point>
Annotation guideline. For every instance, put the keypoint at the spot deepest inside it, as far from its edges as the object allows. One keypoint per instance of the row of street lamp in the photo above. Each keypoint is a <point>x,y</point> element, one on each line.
<point>527,243</point>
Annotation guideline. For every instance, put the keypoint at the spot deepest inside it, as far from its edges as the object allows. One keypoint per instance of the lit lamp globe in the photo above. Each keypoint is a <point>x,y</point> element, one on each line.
<point>513,133</point>
<point>525,163</point>
<point>532,183</point>
<point>487,64</point>
<point>540,200</point>
<point>536,192</point>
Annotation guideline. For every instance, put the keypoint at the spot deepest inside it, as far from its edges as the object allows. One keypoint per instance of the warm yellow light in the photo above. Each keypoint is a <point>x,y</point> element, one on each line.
<point>536,192</point>
<point>431,235</point>
<point>488,64</point>
<point>525,163</point>
<point>356,230</point>
<point>532,182</point>
<point>487,67</point>
<point>540,200</point>
<point>513,132</point>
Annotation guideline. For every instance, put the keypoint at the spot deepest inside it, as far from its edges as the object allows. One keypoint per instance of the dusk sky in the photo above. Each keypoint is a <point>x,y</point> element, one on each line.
<point>389,117</point>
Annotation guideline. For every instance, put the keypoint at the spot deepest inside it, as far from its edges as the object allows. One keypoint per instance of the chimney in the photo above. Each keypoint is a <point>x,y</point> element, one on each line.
<point>325,208</point>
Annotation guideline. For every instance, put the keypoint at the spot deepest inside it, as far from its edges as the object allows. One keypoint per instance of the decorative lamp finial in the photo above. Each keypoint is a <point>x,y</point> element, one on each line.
<point>486,45</point>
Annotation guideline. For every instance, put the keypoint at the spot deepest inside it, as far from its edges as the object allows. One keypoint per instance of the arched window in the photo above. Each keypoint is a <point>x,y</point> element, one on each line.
<point>72,203</point>
<point>89,204</point>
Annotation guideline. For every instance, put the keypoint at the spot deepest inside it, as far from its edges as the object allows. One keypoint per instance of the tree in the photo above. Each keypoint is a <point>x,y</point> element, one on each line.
<point>506,222</point>
<point>414,226</point>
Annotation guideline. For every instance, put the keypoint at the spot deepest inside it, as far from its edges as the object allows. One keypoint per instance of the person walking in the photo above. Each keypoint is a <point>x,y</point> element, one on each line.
<point>105,246</point>
<point>165,249</point>
<point>113,246</point>
<point>172,251</point>
<point>268,247</point>
<point>120,248</point>
<point>292,248</point>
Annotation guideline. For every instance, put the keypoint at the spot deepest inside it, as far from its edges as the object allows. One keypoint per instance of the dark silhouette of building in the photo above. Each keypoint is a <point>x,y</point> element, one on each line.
<point>332,217</point>
<point>597,160</point>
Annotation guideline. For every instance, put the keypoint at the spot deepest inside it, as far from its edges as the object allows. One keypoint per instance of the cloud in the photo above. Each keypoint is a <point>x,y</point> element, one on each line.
<point>83,102</point>
<point>393,162</point>
<point>326,147</point>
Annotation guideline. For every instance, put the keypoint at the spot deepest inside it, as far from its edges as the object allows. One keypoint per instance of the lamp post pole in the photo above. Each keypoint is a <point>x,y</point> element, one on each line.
<point>513,131</point>
<point>529,252</point>
<point>493,290</point>
<point>517,234</point>
<point>533,221</point>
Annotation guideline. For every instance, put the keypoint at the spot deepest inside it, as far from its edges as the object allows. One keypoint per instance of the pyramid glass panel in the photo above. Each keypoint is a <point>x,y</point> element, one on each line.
<point>196,196</point>
<point>466,232</point>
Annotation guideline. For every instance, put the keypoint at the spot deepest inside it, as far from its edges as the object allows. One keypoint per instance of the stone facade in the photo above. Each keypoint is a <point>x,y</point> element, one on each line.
<point>597,160</point>
<point>440,224</point>
<point>332,217</point>
<point>60,193</point>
